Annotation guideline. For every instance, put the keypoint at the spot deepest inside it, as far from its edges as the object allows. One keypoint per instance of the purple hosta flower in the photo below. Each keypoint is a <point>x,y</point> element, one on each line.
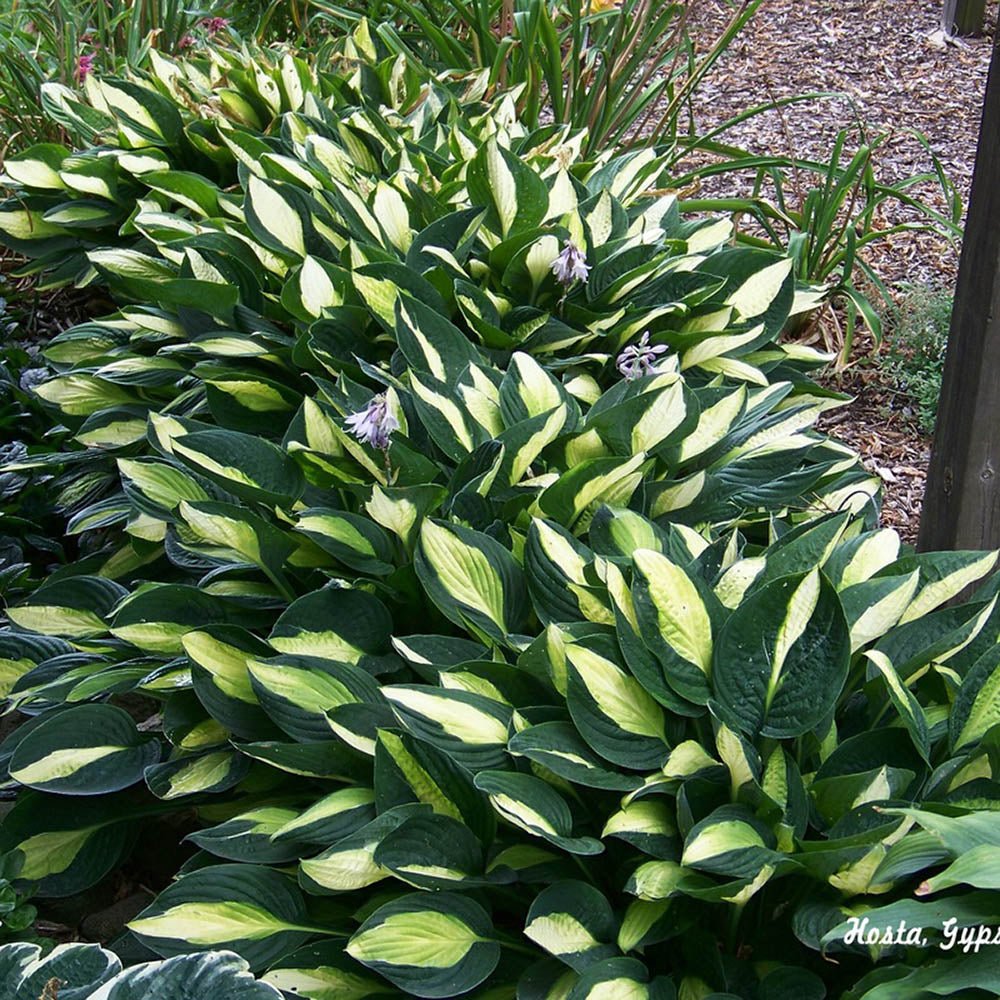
<point>31,378</point>
<point>84,66</point>
<point>213,25</point>
<point>640,359</point>
<point>374,424</point>
<point>571,265</point>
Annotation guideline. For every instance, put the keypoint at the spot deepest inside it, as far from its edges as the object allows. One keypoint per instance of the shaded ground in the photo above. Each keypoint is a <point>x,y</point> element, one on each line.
<point>896,73</point>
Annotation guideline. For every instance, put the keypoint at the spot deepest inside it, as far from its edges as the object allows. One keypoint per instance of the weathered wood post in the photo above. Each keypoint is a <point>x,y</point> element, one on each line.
<point>963,17</point>
<point>962,503</point>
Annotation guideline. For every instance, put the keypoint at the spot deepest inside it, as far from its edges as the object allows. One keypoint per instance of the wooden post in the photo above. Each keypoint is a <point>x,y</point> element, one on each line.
<point>963,17</point>
<point>962,503</point>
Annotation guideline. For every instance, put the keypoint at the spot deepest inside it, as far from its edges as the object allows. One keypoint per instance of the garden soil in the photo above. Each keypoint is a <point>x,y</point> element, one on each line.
<point>897,72</point>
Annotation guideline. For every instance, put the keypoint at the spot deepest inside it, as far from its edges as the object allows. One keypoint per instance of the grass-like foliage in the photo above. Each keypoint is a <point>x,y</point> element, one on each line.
<point>456,536</point>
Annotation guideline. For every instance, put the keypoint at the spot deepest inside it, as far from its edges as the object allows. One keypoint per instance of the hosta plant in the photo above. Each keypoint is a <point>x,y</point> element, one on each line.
<point>625,757</point>
<point>88,972</point>
<point>305,201</point>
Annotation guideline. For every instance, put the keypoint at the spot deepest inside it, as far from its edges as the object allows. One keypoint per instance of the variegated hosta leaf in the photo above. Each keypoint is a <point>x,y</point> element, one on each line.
<point>88,972</point>
<point>246,908</point>
<point>534,806</point>
<point>87,750</point>
<point>780,660</point>
<point>428,945</point>
<point>472,579</point>
<point>574,922</point>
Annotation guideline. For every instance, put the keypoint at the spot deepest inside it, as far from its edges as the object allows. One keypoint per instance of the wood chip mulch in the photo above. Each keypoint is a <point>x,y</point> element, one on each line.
<point>897,72</point>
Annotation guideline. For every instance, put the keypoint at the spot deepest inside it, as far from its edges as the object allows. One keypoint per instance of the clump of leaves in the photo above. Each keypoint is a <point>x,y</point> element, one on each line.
<point>88,972</point>
<point>916,346</point>
<point>493,646</point>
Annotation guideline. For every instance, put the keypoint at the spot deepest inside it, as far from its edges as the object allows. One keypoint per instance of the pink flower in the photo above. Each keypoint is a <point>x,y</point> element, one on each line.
<point>213,25</point>
<point>84,65</point>
<point>185,42</point>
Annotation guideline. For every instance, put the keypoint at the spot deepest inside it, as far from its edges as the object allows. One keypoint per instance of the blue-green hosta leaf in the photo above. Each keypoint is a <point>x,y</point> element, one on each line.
<point>68,844</point>
<point>536,807</point>
<point>471,728</point>
<point>561,579</point>
<point>300,692</point>
<point>620,977</point>
<point>241,464</point>
<point>675,622</point>
<point>651,415</point>
<point>142,112</point>
<point>199,774</point>
<point>560,748</point>
<point>246,908</point>
<point>428,945</point>
<point>75,607</point>
<point>515,197</point>
<point>323,972</point>
<point>574,922</point>
<point>328,759</point>
<point>546,980</point>
<point>943,575</point>
<point>803,548</point>
<point>86,750</point>
<point>332,818</point>
<point>157,488</point>
<point>155,618</point>
<point>780,660</point>
<point>430,343</point>
<point>977,705</point>
<point>575,496</point>
<point>731,841</point>
<point>38,166</point>
<point>251,837</point>
<point>858,559</point>
<point>279,216</point>
<point>350,863</point>
<point>447,420</point>
<point>219,655</point>
<point>336,624</point>
<point>432,851</point>
<point>611,709</point>
<point>354,540</point>
<point>873,607</point>
<point>910,710</point>
<point>472,579</point>
<point>79,969</point>
<point>410,770</point>
<point>647,824</point>
<point>529,390</point>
